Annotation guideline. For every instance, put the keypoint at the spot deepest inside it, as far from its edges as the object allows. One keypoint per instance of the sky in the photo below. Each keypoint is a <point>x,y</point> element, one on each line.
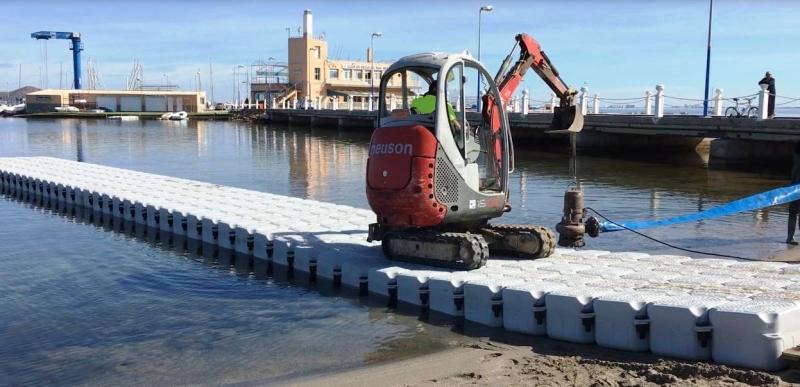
<point>616,48</point>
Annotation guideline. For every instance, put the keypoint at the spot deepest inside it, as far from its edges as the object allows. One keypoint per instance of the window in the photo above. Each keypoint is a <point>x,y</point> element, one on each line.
<point>317,50</point>
<point>378,75</point>
<point>357,74</point>
<point>334,74</point>
<point>316,73</point>
<point>347,74</point>
<point>367,75</point>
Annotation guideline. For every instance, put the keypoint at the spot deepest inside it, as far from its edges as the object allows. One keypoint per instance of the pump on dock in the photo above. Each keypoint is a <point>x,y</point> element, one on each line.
<point>571,228</point>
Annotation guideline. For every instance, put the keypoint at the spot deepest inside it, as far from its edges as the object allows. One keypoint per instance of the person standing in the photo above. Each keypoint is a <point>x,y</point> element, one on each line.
<point>794,206</point>
<point>770,82</point>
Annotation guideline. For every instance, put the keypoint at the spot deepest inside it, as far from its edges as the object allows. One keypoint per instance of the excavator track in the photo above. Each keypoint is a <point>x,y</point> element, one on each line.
<point>459,251</point>
<point>523,240</point>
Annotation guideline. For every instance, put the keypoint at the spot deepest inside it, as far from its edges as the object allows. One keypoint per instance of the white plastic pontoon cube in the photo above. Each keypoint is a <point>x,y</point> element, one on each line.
<point>446,292</point>
<point>412,286</point>
<point>524,307</point>
<point>329,263</point>
<point>355,272</point>
<point>153,215</point>
<point>383,280</point>
<point>621,320</point>
<point>754,333</point>
<point>244,239</point>
<point>262,244</point>
<point>166,219</point>
<point>226,238</point>
<point>194,226</point>
<point>180,225</point>
<point>483,299</point>
<point>283,248</point>
<point>570,313</point>
<point>679,326</point>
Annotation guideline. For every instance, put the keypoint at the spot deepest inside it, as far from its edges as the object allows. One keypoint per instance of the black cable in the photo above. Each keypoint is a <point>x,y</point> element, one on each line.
<point>680,248</point>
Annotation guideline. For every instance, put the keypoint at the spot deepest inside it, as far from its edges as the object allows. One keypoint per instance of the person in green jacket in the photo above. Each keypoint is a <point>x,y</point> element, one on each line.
<point>794,206</point>
<point>427,104</point>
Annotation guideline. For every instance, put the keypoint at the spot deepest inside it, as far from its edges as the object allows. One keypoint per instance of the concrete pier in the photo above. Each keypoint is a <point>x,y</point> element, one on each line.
<point>744,314</point>
<point>739,140</point>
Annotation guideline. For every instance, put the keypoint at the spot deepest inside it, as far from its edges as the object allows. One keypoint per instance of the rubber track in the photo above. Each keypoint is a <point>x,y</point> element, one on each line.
<point>545,234</point>
<point>451,238</point>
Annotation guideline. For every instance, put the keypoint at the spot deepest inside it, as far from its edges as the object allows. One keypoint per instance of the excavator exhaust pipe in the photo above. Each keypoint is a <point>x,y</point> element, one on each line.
<point>566,119</point>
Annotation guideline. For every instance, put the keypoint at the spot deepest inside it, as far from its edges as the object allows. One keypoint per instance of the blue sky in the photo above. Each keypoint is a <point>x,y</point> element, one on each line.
<point>619,48</point>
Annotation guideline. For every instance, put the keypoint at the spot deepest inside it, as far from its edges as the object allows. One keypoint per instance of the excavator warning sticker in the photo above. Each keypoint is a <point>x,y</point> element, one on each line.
<point>472,204</point>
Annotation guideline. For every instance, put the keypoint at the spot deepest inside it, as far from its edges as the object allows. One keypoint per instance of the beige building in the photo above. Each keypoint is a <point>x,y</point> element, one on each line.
<point>117,100</point>
<point>310,72</point>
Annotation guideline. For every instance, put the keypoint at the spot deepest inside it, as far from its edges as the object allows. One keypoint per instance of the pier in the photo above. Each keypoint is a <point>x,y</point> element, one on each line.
<point>735,313</point>
<point>726,140</point>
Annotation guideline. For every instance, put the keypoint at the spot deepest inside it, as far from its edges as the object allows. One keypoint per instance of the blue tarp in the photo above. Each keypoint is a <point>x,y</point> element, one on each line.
<point>765,199</point>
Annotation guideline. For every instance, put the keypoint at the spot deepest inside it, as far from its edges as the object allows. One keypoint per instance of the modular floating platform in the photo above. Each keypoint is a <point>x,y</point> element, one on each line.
<point>735,313</point>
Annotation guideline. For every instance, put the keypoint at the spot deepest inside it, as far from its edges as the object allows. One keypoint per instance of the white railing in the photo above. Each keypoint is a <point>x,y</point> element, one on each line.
<point>656,104</point>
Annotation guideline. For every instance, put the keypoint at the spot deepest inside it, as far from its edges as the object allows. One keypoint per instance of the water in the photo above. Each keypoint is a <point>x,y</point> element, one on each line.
<point>82,305</point>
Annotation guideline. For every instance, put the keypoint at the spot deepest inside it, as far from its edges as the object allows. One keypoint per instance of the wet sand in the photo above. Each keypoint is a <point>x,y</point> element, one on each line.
<point>545,362</point>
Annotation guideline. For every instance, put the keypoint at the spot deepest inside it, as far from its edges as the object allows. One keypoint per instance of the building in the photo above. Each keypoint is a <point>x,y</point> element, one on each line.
<point>117,100</point>
<point>310,72</point>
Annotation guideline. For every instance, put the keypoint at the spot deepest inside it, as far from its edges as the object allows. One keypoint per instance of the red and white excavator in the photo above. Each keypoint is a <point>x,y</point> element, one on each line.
<point>435,179</point>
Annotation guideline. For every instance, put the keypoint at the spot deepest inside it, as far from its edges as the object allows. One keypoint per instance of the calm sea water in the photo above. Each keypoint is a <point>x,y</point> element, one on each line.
<point>83,305</point>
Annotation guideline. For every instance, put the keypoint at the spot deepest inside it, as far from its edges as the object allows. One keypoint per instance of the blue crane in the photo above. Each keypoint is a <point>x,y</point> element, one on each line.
<point>75,45</point>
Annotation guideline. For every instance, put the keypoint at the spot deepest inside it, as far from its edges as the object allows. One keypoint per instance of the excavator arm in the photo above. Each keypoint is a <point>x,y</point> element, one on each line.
<point>566,117</point>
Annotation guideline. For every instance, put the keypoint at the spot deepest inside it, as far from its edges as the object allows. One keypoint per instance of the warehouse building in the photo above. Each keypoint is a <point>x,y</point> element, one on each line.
<point>117,100</point>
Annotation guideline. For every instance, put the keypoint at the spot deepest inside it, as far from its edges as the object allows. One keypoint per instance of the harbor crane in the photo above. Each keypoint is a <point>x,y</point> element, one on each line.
<point>75,45</point>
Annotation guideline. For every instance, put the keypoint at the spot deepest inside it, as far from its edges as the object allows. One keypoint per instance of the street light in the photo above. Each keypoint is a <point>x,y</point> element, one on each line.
<point>289,32</point>
<point>238,89</point>
<point>308,70</point>
<point>487,8</point>
<point>165,74</point>
<point>708,59</point>
<point>270,69</point>
<point>372,69</point>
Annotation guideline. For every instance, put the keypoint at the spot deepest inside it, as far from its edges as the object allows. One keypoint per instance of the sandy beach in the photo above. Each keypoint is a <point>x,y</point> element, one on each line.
<point>545,362</point>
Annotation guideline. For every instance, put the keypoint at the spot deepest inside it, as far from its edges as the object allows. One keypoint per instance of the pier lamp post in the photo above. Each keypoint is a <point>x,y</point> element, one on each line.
<point>238,88</point>
<point>487,8</point>
<point>372,69</point>
<point>708,59</point>
<point>8,94</point>
<point>270,69</point>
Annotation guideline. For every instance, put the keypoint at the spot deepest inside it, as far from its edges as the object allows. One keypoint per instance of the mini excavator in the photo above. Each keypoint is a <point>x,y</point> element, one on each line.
<point>434,180</point>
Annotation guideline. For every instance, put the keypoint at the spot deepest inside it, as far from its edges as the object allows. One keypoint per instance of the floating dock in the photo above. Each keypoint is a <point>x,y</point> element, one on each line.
<point>735,313</point>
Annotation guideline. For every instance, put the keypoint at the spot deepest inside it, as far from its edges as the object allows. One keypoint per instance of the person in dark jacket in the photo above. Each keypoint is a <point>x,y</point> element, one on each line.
<point>794,206</point>
<point>770,82</point>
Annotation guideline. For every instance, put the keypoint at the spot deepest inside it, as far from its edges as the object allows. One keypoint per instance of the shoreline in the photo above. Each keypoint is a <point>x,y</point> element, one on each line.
<point>526,361</point>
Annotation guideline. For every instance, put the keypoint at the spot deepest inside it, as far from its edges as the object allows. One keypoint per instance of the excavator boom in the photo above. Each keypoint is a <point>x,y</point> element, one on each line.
<point>566,117</point>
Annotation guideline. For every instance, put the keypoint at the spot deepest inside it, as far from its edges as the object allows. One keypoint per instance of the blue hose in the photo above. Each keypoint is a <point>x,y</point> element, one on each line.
<point>765,199</point>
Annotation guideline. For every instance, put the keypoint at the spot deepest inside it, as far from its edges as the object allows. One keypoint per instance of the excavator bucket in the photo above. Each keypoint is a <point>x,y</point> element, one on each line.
<point>566,119</point>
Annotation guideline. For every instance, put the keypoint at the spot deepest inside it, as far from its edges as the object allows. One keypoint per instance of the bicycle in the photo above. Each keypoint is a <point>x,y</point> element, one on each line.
<point>747,111</point>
